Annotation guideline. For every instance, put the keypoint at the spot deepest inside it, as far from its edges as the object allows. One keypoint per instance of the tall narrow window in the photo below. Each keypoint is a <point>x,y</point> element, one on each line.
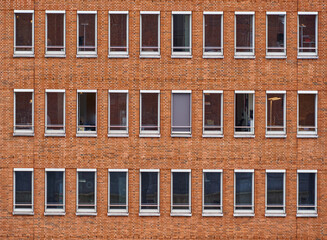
<point>24,112</point>
<point>307,193</point>
<point>275,192</point>
<point>150,113</point>
<point>244,192</point>
<point>24,33</point>
<point>212,113</point>
<point>276,34</point>
<point>244,34</point>
<point>244,113</point>
<point>87,112</point>
<point>150,34</point>
<point>276,114</point>
<point>118,113</point>
<point>118,33</point>
<point>55,112</point>
<point>55,34</point>
<point>212,34</point>
<point>149,192</point>
<point>86,191</point>
<point>55,191</point>
<point>181,113</point>
<point>118,192</point>
<point>23,191</point>
<point>86,33</point>
<point>307,114</point>
<point>212,193</point>
<point>307,34</point>
<point>182,34</point>
<point>181,192</point>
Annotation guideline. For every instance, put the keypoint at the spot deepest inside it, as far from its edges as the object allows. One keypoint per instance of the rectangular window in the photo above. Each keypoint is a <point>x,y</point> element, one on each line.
<point>212,113</point>
<point>118,192</point>
<point>212,34</point>
<point>182,34</point>
<point>275,192</point>
<point>307,193</point>
<point>86,33</point>
<point>87,112</point>
<point>244,34</point>
<point>180,192</point>
<point>181,111</point>
<point>150,34</point>
<point>212,193</point>
<point>308,34</point>
<point>23,191</point>
<point>244,192</point>
<point>55,112</point>
<point>118,113</point>
<point>276,34</point>
<point>24,33</point>
<point>54,191</point>
<point>55,34</point>
<point>24,112</point>
<point>275,113</point>
<point>149,192</point>
<point>307,114</point>
<point>244,113</point>
<point>86,191</point>
<point>118,33</point>
<point>150,113</point>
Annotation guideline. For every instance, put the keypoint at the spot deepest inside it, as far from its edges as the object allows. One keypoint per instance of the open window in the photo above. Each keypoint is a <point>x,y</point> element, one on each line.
<point>55,34</point>
<point>212,34</point>
<point>307,34</point>
<point>54,191</point>
<point>118,192</point>
<point>150,34</point>
<point>87,113</point>
<point>181,34</point>
<point>307,114</point>
<point>55,112</point>
<point>276,35</point>
<point>212,193</point>
<point>118,34</point>
<point>306,193</point>
<point>24,112</point>
<point>244,192</point>
<point>86,192</point>
<point>212,113</point>
<point>244,114</point>
<point>181,111</point>
<point>275,193</point>
<point>180,192</point>
<point>118,113</point>
<point>149,192</point>
<point>150,113</point>
<point>24,33</point>
<point>244,35</point>
<point>275,113</point>
<point>86,34</point>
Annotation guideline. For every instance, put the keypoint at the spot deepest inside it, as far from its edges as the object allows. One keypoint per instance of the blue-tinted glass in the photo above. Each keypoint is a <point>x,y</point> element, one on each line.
<point>212,190</point>
<point>149,191</point>
<point>275,190</point>
<point>55,189</point>
<point>117,190</point>
<point>86,189</point>
<point>23,182</point>
<point>307,190</point>
<point>243,189</point>
<point>181,190</point>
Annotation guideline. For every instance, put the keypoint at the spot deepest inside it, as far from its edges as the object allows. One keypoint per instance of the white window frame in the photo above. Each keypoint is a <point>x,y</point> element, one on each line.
<point>55,53</point>
<point>55,211</point>
<point>181,212</point>
<point>88,54</point>
<point>307,55</point>
<point>180,54</point>
<point>149,212</point>
<point>244,213</point>
<point>209,213</point>
<point>276,134</point>
<point>55,132</point>
<point>244,54</point>
<point>213,133</point>
<point>275,54</point>
<point>23,132</point>
<point>276,213</point>
<point>118,212</point>
<point>23,211</point>
<point>24,53</point>
<point>86,212</point>
<point>308,134</point>
<point>118,133</point>
<point>149,54</point>
<point>306,213</point>
<point>214,54</point>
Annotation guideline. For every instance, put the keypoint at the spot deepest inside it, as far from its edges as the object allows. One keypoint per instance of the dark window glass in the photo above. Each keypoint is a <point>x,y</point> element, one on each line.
<point>244,33</point>
<point>86,32</point>
<point>86,190</point>
<point>307,191</point>
<point>23,188</point>
<point>212,112</point>
<point>118,32</point>
<point>181,35</point>
<point>24,31</point>
<point>181,112</point>
<point>212,31</point>
<point>275,33</point>
<point>212,191</point>
<point>307,33</point>
<point>150,41</point>
<point>55,32</point>
<point>181,188</point>
<point>24,108</point>
<point>118,111</point>
<point>149,112</point>
<point>55,190</point>
<point>275,112</point>
<point>55,111</point>
<point>275,191</point>
<point>307,112</point>
<point>149,190</point>
<point>118,191</point>
<point>86,111</point>
<point>244,121</point>
<point>243,191</point>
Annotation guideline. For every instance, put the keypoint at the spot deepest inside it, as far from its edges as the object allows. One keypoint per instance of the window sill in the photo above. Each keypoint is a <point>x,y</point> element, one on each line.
<point>314,215</point>
<point>87,55</point>
<point>54,55</point>
<point>150,56</point>
<point>204,214</point>
<point>23,55</point>
<point>118,56</point>
<point>55,135</point>
<point>244,136</point>
<point>180,214</point>
<point>23,213</point>
<point>117,214</point>
<point>275,214</point>
<point>149,214</point>
<point>144,135</point>
<point>244,214</point>
<point>86,135</point>
<point>244,57</point>
<point>118,135</point>
<point>276,56</point>
<point>306,135</point>
<point>276,135</point>
<point>176,135</point>
<point>54,214</point>
<point>86,214</point>
<point>21,134</point>
<point>307,57</point>
<point>212,135</point>
<point>213,56</point>
<point>181,56</point>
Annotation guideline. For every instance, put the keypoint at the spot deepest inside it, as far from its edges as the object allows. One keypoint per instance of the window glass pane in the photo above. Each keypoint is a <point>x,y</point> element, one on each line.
<point>307,33</point>
<point>181,35</point>
<point>275,33</point>
<point>24,108</point>
<point>150,32</point>
<point>118,32</point>
<point>55,32</point>
<point>118,111</point>
<point>243,191</point>
<point>55,190</point>
<point>24,31</point>
<point>118,190</point>
<point>86,190</point>
<point>307,186</point>
<point>275,112</point>
<point>86,111</point>
<point>181,112</point>
<point>181,189</point>
<point>307,112</point>
<point>212,30</point>
<point>244,33</point>
<point>212,112</point>
<point>212,191</point>
<point>149,112</point>
<point>149,191</point>
<point>86,32</point>
<point>244,121</point>
<point>23,187</point>
<point>275,191</point>
<point>55,111</point>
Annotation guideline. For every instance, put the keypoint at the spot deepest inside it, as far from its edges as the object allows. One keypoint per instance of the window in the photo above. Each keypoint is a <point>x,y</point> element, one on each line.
<point>150,113</point>
<point>118,34</point>
<point>86,192</point>
<point>212,113</point>
<point>307,114</point>
<point>118,192</point>
<point>212,193</point>
<point>86,33</point>
<point>307,34</point>
<point>55,112</point>
<point>244,192</point>
<point>150,34</point>
<point>118,113</point>
<point>23,191</point>
<point>180,193</point>
<point>149,192</point>
<point>24,112</point>
<point>212,34</point>
<point>181,114</point>
<point>244,113</point>
<point>276,34</point>
<point>54,191</point>
<point>87,113</point>
<point>182,34</point>
<point>276,114</point>
<point>55,34</point>
<point>244,34</point>
<point>307,193</point>
<point>275,192</point>
<point>24,33</point>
